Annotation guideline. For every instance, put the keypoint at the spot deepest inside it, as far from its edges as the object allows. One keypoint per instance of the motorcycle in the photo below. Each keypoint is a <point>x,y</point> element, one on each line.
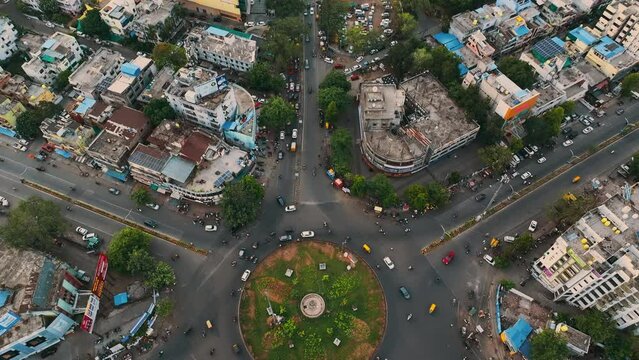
<point>40,168</point>
<point>188,331</point>
<point>410,316</point>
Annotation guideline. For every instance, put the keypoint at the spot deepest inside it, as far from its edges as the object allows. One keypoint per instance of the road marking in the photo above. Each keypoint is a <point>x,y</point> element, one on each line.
<point>219,263</point>
<point>318,202</point>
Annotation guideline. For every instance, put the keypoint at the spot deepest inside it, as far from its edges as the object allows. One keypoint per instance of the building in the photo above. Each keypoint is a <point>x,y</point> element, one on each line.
<point>70,137</point>
<point>547,57</point>
<point>71,7</point>
<point>549,97</point>
<point>229,9</point>
<point>8,39</point>
<point>156,21</point>
<point>515,5</point>
<point>159,84</point>
<point>558,13</point>
<point>226,48</point>
<point>595,262</point>
<point>481,19</point>
<point>578,41</point>
<point>518,31</point>
<point>133,78</point>
<point>611,58</point>
<point>119,15</point>
<point>18,88</point>
<point>620,22</point>
<point>31,44</point>
<point>121,134</point>
<point>59,53</point>
<point>102,67</point>
<point>405,129</point>
<point>9,112</point>
<point>477,43</point>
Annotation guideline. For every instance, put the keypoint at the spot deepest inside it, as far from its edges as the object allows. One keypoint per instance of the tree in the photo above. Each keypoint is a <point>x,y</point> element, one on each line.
<point>93,25</point>
<point>286,8</point>
<point>571,208</point>
<point>332,17</point>
<point>331,113</point>
<point>277,113</point>
<point>140,262</point>
<point>629,84</point>
<point>141,196</point>
<point>495,156</point>
<point>49,8</point>
<point>400,57</point>
<point>332,94</point>
<point>358,186</point>
<point>442,63</point>
<point>241,201</point>
<point>283,42</point>
<point>164,307</point>
<point>596,324</point>
<point>160,277</point>
<point>520,72</point>
<point>380,188</point>
<point>516,145</point>
<point>356,37</point>
<point>341,150</point>
<point>438,194</point>
<point>416,196</point>
<point>158,110</point>
<point>454,178</point>
<point>33,224</point>
<point>541,129</point>
<point>548,345</point>
<point>260,78</point>
<point>28,124</point>
<point>62,80</point>
<point>407,24</point>
<point>569,107</point>
<point>422,59</point>
<point>336,79</point>
<point>166,54</point>
<point>124,243</point>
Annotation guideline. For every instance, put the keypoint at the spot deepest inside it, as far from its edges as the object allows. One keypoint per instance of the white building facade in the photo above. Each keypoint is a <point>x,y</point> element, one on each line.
<point>59,53</point>
<point>8,39</point>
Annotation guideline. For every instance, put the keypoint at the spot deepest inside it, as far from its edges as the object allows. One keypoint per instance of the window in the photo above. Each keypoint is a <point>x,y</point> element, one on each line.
<point>36,341</point>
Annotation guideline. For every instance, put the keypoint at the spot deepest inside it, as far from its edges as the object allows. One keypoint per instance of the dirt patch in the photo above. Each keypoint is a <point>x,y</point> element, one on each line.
<point>288,253</point>
<point>326,248</point>
<point>363,351</point>
<point>277,290</point>
<point>361,330</point>
<point>250,311</point>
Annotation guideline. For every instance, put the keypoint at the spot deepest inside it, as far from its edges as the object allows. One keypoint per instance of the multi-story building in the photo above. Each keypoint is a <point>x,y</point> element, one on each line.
<point>595,263</point>
<point>226,48</point>
<point>620,22</point>
<point>477,43</point>
<point>69,136</point>
<point>134,76</point>
<point>71,7</point>
<point>515,5</point>
<point>578,41</point>
<point>518,31</point>
<point>8,38</point>
<point>159,83</point>
<point>434,125</point>
<point>229,9</point>
<point>481,19</point>
<point>558,13</point>
<point>156,21</point>
<point>119,15</point>
<point>121,134</point>
<point>59,53</point>
<point>100,68</point>
<point>18,88</point>
<point>9,112</point>
<point>611,58</point>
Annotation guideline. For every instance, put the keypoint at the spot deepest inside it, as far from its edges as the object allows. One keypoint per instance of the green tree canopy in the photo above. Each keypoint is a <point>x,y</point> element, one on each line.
<point>569,211</point>
<point>629,84</point>
<point>520,72</point>
<point>166,54</point>
<point>158,110</point>
<point>496,156</point>
<point>241,201</point>
<point>407,24</point>
<point>261,78</point>
<point>596,324</point>
<point>330,116</point>
<point>33,224</point>
<point>162,276</point>
<point>442,63</point>
<point>140,262</point>
<point>548,345</point>
<point>286,8</point>
<point>539,130</point>
<point>416,196</point>
<point>49,8</point>
<point>141,196</point>
<point>400,57</point>
<point>341,151</point>
<point>336,79</point>
<point>28,123</point>
<point>438,194</point>
<point>93,25</point>
<point>358,186</point>
<point>332,17</point>
<point>333,94</point>
<point>283,42</point>
<point>62,80</point>
<point>277,113</point>
<point>123,244</point>
<point>380,188</point>
<point>569,107</point>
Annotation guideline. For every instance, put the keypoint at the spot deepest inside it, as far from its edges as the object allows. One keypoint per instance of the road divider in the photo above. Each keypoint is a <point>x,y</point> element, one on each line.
<point>87,206</point>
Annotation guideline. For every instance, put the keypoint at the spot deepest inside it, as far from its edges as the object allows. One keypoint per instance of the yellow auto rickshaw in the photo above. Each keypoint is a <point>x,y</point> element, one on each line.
<point>432,308</point>
<point>209,324</point>
<point>576,179</point>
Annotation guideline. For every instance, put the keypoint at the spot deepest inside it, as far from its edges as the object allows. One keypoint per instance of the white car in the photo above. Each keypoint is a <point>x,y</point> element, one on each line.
<point>526,175</point>
<point>49,24</point>
<point>290,208</point>
<point>567,143</point>
<point>294,135</point>
<point>282,135</point>
<point>153,206</point>
<point>210,228</point>
<point>19,147</point>
<point>261,23</point>
<point>388,31</point>
<point>359,59</point>
<point>4,202</point>
<point>357,67</point>
<point>328,60</point>
<point>305,13</point>
<point>393,43</point>
<point>533,226</point>
<point>389,263</point>
<point>89,236</point>
<point>82,231</point>
<point>23,142</point>
<point>587,130</point>
<point>541,160</point>
<point>312,11</point>
<point>249,24</point>
<point>246,275</point>
<point>307,234</point>
<point>489,259</point>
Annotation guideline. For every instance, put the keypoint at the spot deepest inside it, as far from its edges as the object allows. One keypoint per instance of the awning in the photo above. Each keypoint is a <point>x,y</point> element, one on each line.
<point>121,298</point>
<point>118,175</point>
<point>64,153</point>
<point>7,131</point>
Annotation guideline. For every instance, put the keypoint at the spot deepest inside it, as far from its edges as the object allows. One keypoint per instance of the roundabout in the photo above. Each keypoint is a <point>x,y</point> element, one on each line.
<point>311,300</point>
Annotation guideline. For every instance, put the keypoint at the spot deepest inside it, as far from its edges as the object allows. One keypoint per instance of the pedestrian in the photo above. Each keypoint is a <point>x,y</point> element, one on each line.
<point>392,249</point>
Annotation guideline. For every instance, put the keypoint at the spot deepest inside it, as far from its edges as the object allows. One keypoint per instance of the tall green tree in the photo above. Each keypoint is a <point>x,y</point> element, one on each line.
<point>166,54</point>
<point>93,25</point>
<point>407,24</point>
<point>141,196</point>
<point>548,345</point>
<point>358,186</point>
<point>596,324</point>
<point>333,95</point>
<point>162,276</point>
<point>520,72</point>
<point>49,8</point>
<point>629,84</point>
<point>261,78</point>
<point>62,80</point>
<point>283,42</point>
<point>540,130</point>
<point>286,8</point>
<point>277,113</point>
<point>158,110</point>
<point>438,194</point>
<point>140,262</point>
<point>400,57</point>
<point>569,107</point>
<point>331,17</point>
<point>495,156</point>
<point>241,202</point>
<point>336,79</point>
<point>123,244</point>
<point>341,151</point>
<point>28,123</point>
<point>330,116</point>
<point>416,196</point>
<point>380,188</point>
<point>33,224</point>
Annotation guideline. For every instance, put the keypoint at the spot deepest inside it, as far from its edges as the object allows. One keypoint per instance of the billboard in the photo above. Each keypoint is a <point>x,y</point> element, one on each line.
<point>91,312</point>
<point>100,275</point>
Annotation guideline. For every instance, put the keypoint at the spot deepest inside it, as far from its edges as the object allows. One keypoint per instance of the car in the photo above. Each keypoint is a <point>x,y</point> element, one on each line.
<point>448,258</point>
<point>280,200</point>
<point>294,135</point>
<point>307,234</point>
<point>246,275</point>
<point>404,291</point>
<point>567,143</point>
<point>114,191</point>
<point>584,121</point>
<point>480,197</point>
<point>389,263</point>
<point>89,236</point>
<point>533,226</point>
<point>153,206</point>
<point>489,259</point>
<point>262,100</point>
<point>210,228</point>
<point>82,231</point>
<point>249,24</point>
<point>282,135</point>
<point>566,130</point>
<point>280,155</point>
<point>23,142</point>
<point>285,238</point>
<point>541,160</point>
<point>587,130</point>
<point>19,147</point>
<point>359,59</point>
<point>290,208</point>
<point>328,60</point>
<point>261,23</point>
<point>620,111</point>
<point>311,11</point>
<point>49,24</point>
<point>305,13</point>
<point>4,202</point>
<point>526,175</point>
<point>242,253</point>
<point>356,67</point>
<point>151,223</point>
<point>393,43</point>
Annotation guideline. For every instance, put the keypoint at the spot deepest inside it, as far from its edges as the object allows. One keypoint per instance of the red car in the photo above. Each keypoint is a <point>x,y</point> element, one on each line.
<point>338,66</point>
<point>354,77</point>
<point>448,258</point>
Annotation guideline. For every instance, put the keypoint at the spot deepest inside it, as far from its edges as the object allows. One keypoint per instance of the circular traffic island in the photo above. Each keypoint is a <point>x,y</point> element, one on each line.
<point>310,300</point>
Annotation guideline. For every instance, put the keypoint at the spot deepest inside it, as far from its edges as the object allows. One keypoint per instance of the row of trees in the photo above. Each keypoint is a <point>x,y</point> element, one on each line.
<point>333,95</point>
<point>277,113</point>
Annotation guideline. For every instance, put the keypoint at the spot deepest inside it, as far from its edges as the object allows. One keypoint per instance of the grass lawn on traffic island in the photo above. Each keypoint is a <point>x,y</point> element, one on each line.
<point>355,306</point>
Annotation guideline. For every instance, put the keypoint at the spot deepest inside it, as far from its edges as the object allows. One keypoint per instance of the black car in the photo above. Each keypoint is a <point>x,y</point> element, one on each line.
<point>566,130</point>
<point>480,197</point>
<point>150,223</point>
<point>280,200</point>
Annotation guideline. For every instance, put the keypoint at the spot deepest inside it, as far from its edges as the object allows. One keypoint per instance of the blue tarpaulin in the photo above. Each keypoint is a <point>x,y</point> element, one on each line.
<point>64,153</point>
<point>516,335</point>
<point>118,175</point>
<point>7,131</point>
<point>5,294</point>
<point>121,298</point>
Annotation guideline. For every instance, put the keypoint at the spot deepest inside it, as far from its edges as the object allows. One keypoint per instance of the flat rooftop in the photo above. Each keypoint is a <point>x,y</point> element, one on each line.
<point>224,164</point>
<point>103,63</point>
<point>245,107</point>
<point>223,42</point>
<point>156,16</point>
<point>111,146</point>
<point>160,82</point>
<point>547,95</point>
<point>199,86</point>
<point>380,101</point>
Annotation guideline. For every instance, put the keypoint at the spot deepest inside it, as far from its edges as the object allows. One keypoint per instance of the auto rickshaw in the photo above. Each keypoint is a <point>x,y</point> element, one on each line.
<point>209,324</point>
<point>576,179</point>
<point>432,308</point>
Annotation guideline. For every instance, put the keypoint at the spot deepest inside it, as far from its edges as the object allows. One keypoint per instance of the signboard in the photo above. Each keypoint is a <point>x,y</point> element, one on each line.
<point>100,275</point>
<point>7,321</point>
<point>91,312</point>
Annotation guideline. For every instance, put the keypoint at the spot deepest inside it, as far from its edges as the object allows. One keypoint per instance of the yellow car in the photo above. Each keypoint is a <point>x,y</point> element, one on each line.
<point>432,308</point>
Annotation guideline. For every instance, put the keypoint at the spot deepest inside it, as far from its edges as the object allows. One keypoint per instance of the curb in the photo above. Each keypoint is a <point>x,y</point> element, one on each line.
<point>532,187</point>
<point>119,219</point>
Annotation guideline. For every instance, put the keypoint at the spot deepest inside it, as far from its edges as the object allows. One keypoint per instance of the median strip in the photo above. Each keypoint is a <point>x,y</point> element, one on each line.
<point>159,235</point>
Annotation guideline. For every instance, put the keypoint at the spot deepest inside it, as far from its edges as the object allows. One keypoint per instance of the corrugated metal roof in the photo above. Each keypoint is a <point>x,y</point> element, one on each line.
<point>178,169</point>
<point>149,158</point>
<point>44,284</point>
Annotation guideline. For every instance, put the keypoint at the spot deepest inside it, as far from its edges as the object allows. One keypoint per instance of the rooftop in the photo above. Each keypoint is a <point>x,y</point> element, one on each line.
<point>156,15</point>
<point>230,44</point>
<point>178,169</point>
<point>583,35</point>
<point>592,74</point>
<point>149,157</point>
<point>245,110</point>
<point>127,123</point>
<point>58,46</point>
<point>170,135</point>
<point>103,63</point>
<point>483,18</point>
<point>195,146</point>
<point>160,82</point>
<point>381,101</point>
<point>222,164</point>
<point>547,94</point>
<point>199,86</point>
<point>608,48</point>
<point>66,128</point>
<point>128,73</point>
<point>111,146</point>
<point>31,43</point>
